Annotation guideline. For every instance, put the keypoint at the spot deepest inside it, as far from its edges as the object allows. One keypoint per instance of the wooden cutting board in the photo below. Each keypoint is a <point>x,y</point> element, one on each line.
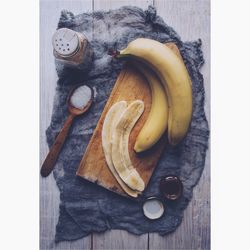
<point>130,85</point>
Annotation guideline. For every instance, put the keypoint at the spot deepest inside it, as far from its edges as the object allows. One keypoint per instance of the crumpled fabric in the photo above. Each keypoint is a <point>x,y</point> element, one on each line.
<point>86,207</point>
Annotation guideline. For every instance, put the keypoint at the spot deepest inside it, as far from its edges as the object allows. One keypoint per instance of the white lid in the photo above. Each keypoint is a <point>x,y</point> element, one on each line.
<point>65,41</point>
<point>153,208</point>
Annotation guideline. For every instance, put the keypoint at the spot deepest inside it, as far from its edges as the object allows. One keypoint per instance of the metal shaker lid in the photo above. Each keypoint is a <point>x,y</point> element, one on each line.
<point>65,42</point>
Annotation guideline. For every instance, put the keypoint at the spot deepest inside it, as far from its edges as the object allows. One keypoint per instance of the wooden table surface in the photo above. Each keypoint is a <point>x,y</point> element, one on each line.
<point>191,19</point>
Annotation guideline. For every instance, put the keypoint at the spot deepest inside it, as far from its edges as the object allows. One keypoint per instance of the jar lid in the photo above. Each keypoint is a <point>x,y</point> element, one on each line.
<point>153,208</point>
<point>65,42</point>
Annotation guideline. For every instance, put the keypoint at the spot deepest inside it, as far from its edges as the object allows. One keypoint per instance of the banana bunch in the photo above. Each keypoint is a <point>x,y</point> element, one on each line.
<point>171,110</point>
<point>118,123</point>
<point>175,80</point>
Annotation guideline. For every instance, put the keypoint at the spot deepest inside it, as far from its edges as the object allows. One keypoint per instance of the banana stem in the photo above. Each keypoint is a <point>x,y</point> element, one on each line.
<point>114,53</point>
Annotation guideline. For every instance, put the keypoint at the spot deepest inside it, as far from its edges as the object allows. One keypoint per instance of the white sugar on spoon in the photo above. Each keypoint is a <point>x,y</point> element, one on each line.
<point>81,97</point>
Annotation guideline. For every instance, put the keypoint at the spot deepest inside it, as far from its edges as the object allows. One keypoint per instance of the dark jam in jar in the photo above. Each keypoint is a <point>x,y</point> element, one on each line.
<point>171,187</point>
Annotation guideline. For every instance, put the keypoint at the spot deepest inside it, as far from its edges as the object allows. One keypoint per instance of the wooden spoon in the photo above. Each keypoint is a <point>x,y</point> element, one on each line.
<point>53,154</point>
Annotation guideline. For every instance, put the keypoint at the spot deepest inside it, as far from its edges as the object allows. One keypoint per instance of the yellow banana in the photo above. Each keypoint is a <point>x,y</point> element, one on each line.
<point>175,79</point>
<point>156,123</point>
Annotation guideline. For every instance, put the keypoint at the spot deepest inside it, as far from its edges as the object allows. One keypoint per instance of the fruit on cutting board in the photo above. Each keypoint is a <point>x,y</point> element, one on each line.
<point>109,123</point>
<point>174,77</point>
<point>120,154</point>
<point>157,120</point>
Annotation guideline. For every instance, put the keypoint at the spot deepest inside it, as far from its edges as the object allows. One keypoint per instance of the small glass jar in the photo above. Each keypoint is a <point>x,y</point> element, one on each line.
<point>72,49</point>
<point>171,187</point>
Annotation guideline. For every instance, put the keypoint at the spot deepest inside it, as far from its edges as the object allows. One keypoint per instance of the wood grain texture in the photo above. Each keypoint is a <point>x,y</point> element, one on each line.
<point>190,18</point>
<point>49,193</point>
<point>114,4</point>
<point>119,239</point>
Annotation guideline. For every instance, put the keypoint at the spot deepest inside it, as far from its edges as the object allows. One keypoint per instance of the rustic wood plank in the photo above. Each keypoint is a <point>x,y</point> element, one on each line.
<point>194,232</point>
<point>113,4</point>
<point>49,193</point>
<point>117,239</point>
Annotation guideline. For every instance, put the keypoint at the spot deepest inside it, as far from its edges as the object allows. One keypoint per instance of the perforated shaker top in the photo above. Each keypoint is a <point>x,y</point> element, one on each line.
<point>65,42</point>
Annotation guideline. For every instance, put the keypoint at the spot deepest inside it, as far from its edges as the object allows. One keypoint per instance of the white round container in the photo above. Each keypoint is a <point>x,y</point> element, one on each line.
<point>153,208</point>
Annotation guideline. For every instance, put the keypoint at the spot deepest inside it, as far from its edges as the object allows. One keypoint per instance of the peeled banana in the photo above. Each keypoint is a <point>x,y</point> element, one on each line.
<point>120,153</point>
<point>110,121</point>
<point>175,79</point>
<point>157,120</point>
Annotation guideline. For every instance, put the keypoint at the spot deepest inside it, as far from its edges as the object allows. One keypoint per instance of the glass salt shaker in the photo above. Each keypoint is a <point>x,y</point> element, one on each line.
<point>72,49</point>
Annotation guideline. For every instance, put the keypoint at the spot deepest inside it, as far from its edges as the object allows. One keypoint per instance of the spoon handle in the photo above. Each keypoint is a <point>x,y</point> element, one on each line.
<point>53,154</point>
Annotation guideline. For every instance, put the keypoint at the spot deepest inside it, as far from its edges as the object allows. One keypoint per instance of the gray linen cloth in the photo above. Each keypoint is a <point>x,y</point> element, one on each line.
<point>86,207</point>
